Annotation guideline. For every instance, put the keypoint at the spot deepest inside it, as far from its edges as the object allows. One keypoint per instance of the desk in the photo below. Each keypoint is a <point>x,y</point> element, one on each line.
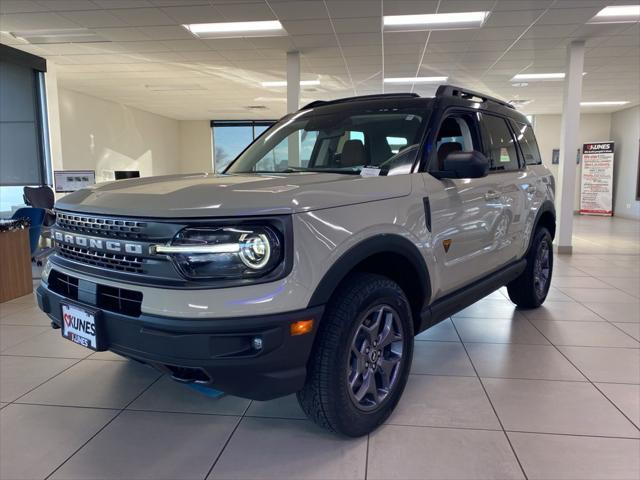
<point>15,264</point>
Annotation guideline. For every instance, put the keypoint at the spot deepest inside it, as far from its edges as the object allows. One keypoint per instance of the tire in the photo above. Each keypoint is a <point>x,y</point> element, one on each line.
<point>530,289</point>
<point>348,325</point>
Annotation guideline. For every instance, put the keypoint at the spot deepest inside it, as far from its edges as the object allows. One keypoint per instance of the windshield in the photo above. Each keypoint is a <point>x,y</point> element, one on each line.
<point>345,141</point>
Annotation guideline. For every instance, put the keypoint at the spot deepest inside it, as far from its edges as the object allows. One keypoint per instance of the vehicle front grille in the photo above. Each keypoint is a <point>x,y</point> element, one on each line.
<point>112,299</point>
<point>102,226</point>
<point>111,261</point>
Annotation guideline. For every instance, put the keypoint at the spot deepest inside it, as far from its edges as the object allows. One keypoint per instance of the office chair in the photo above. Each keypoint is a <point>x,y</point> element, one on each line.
<point>41,197</point>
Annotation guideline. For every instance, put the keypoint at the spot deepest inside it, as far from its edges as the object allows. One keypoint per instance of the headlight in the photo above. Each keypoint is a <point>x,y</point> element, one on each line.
<point>225,252</point>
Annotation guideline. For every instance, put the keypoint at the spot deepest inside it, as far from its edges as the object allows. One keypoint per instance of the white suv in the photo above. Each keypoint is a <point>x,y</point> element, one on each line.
<point>309,266</point>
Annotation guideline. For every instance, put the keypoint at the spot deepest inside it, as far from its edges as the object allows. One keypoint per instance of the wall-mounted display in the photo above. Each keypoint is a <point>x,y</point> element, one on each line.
<point>71,180</point>
<point>597,179</point>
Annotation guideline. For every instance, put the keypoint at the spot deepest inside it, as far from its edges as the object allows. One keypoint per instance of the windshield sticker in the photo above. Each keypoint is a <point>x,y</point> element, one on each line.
<point>370,172</point>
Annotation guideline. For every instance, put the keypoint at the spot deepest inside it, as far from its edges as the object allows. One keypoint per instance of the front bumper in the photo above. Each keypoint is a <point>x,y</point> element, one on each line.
<point>216,352</point>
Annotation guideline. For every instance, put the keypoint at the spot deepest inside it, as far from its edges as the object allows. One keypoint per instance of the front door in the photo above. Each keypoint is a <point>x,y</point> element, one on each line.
<point>465,213</point>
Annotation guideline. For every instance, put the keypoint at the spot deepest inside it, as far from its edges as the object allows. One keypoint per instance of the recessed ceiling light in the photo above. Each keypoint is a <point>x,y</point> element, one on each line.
<point>604,104</point>
<point>617,14</point>
<point>283,83</point>
<point>269,28</point>
<point>435,21</point>
<point>416,80</point>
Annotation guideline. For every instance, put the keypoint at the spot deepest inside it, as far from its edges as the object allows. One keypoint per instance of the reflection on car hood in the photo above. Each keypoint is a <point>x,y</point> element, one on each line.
<point>206,194</point>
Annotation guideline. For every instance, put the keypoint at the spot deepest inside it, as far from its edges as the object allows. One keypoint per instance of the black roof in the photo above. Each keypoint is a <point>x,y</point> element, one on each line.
<point>447,94</point>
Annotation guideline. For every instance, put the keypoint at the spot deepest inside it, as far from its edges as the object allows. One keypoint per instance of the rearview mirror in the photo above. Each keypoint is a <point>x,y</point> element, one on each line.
<point>464,165</point>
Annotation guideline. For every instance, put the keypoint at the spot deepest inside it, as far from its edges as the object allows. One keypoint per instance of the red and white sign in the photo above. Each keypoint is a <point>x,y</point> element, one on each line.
<point>596,193</point>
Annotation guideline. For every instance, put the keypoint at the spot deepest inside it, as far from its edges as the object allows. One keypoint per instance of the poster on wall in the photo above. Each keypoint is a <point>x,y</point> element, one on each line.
<point>597,179</point>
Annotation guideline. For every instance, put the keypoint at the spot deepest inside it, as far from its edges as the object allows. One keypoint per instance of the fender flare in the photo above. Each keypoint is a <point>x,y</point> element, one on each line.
<point>547,206</point>
<point>384,243</point>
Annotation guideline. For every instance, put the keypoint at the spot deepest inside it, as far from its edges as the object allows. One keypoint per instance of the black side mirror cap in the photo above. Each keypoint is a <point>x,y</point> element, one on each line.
<point>464,165</point>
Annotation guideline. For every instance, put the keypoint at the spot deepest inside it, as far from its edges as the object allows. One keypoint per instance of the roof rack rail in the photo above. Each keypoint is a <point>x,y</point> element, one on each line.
<point>453,91</point>
<point>319,103</point>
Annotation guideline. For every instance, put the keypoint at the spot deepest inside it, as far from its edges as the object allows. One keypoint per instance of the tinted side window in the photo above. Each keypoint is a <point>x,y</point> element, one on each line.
<point>528,144</point>
<point>501,147</point>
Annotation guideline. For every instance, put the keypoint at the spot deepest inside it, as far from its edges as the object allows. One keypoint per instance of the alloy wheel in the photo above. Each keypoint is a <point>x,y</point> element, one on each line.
<point>375,358</point>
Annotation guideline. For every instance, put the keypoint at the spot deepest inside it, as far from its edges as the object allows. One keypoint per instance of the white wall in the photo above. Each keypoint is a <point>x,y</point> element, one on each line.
<point>105,136</point>
<point>625,132</point>
<point>594,127</point>
<point>196,143</point>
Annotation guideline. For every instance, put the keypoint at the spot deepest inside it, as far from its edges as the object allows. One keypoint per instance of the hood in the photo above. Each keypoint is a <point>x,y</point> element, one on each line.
<point>206,194</point>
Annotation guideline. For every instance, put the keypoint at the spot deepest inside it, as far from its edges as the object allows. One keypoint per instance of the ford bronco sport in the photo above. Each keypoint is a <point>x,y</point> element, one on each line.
<point>311,263</point>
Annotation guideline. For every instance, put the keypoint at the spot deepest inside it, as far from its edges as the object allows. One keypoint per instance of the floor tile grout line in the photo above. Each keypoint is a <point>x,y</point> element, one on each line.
<point>104,426</point>
<point>50,378</point>
<point>26,339</point>
<point>495,412</point>
<point>613,324</point>
<point>224,447</point>
<point>589,380</point>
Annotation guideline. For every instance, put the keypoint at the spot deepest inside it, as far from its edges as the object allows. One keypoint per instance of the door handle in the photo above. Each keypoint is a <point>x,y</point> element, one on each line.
<point>492,195</point>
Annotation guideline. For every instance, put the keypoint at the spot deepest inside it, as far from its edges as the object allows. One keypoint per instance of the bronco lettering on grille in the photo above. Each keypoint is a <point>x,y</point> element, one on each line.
<point>98,244</point>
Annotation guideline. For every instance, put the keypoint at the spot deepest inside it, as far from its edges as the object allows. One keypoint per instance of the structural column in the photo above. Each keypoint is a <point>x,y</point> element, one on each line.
<point>293,103</point>
<point>569,145</point>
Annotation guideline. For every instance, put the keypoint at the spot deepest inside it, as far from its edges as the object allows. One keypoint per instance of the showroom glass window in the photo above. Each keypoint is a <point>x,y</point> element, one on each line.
<point>23,135</point>
<point>230,138</point>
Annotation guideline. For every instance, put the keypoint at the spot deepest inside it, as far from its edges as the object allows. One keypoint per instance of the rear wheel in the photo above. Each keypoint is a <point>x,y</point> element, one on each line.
<point>361,358</point>
<point>530,289</point>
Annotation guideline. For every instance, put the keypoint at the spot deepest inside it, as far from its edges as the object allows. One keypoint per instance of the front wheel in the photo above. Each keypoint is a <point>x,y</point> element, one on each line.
<point>361,358</point>
<point>530,289</point>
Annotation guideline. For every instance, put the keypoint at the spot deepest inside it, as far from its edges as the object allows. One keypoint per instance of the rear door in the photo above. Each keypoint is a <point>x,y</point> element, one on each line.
<point>510,185</point>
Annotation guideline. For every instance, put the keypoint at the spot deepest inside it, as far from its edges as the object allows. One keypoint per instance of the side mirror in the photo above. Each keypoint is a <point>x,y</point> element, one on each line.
<point>464,165</point>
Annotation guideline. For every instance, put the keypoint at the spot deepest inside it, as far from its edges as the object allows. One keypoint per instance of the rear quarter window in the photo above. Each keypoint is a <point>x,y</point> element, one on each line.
<point>527,141</point>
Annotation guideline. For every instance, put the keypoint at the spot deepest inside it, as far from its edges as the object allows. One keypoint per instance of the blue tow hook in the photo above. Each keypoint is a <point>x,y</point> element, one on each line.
<point>208,391</point>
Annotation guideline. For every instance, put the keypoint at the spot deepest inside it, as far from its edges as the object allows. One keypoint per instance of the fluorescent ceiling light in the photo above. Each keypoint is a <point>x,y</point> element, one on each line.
<point>537,76</point>
<point>283,83</point>
<point>603,104</point>
<point>416,80</point>
<point>236,29</point>
<point>64,35</point>
<point>171,87</point>
<point>435,21</point>
<point>617,14</point>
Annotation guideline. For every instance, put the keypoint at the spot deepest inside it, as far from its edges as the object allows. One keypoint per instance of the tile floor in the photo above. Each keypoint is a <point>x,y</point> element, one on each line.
<point>494,393</point>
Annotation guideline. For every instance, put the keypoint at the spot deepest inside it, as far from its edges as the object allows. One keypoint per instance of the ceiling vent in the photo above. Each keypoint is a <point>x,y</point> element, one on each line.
<point>256,107</point>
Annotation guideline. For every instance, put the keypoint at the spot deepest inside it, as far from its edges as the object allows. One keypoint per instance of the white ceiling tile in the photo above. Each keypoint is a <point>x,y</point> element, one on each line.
<point>94,18</point>
<point>20,6</point>
<point>123,3</point>
<point>122,34</point>
<point>170,32</point>
<point>309,41</point>
<point>68,5</point>
<point>143,16</point>
<point>352,8</point>
<point>410,7</point>
<point>194,14</point>
<point>296,10</point>
<point>357,25</point>
<point>34,21</point>
<point>222,44</point>
<point>357,39</point>
<point>244,12</point>
<point>500,18</point>
<point>307,27</point>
